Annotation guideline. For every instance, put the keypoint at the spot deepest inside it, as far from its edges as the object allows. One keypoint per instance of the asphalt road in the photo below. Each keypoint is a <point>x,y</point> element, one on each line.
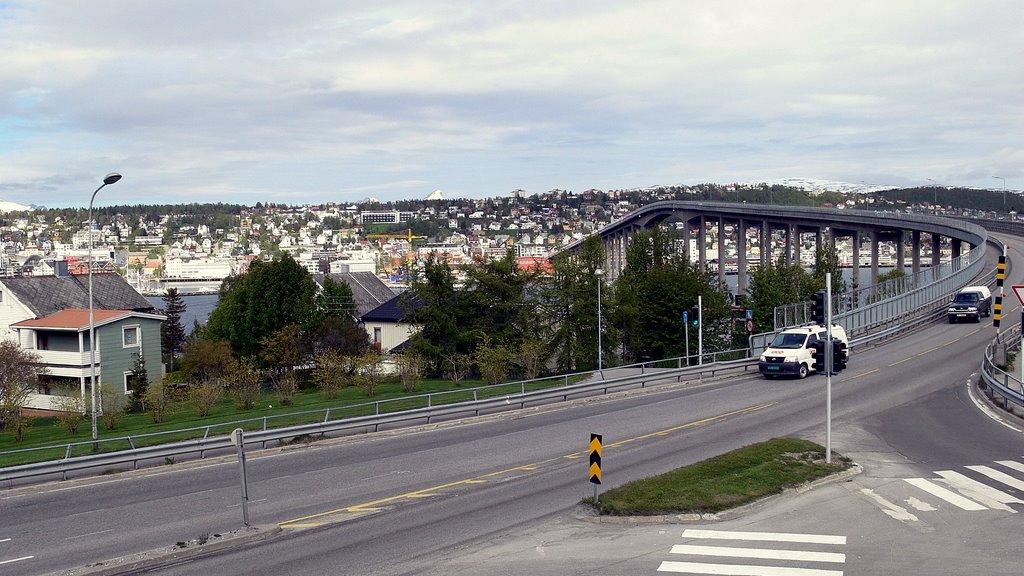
<point>497,495</point>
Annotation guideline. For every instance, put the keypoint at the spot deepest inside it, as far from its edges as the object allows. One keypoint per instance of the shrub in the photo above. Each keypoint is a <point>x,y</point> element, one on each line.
<point>245,379</point>
<point>70,411</point>
<point>204,396</point>
<point>157,400</point>
<point>286,385</point>
<point>114,403</point>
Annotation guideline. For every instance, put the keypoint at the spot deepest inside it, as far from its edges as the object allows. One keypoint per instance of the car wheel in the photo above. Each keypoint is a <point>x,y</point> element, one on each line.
<point>802,372</point>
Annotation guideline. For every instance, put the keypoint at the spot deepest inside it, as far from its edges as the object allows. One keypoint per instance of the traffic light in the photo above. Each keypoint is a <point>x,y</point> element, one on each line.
<point>839,355</point>
<point>819,355</point>
<point>818,308</point>
<point>695,316</point>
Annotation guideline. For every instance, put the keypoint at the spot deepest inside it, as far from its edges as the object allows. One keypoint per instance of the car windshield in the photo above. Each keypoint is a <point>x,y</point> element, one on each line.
<point>789,341</point>
<point>967,298</point>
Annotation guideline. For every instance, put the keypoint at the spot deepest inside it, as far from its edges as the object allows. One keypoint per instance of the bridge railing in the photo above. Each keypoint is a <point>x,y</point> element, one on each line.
<point>997,380</point>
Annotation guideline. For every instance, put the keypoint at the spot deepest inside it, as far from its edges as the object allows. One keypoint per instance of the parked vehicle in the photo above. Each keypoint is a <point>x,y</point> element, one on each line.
<point>971,303</point>
<point>792,351</point>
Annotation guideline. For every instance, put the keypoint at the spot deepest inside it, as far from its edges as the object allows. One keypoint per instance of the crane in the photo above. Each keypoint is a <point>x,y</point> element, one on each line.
<point>407,236</point>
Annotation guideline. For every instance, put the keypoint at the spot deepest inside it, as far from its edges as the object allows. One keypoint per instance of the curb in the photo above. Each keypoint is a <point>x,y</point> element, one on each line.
<point>140,561</point>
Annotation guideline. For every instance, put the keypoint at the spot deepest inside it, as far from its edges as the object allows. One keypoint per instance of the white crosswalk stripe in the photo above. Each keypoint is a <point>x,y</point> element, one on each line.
<point>947,495</point>
<point>979,491</point>
<point>998,476</point>
<point>806,558</point>
<point>972,494</point>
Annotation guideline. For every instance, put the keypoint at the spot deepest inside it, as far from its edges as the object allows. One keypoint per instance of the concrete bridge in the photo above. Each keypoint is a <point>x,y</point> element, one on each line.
<point>733,220</point>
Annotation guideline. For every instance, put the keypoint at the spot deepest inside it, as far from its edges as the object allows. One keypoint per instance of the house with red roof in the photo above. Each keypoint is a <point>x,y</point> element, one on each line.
<point>49,315</point>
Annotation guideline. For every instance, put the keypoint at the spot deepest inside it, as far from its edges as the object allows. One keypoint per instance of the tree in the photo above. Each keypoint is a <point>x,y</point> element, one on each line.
<point>206,360</point>
<point>410,370</point>
<point>140,383</point>
<point>369,372</point>
<point>252,306</point>
<point>569,303</point>
<point>531,357</point>
<point>244,379</point>
<point>778,284</point>
<point>658,284</point>
<point>157,400</point>
<point>285,349</point>
<point>70,411</point>
<point>172,332</point>
<point>494,362</point>
<point>342,335</point>
<point>432,303</point>
<point>114,403</point>
<point>19,371</point>
<point>335,300</point>
<point>329,372</point>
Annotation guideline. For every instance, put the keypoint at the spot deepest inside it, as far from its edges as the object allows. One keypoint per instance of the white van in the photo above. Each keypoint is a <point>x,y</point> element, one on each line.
<point>792,350</point>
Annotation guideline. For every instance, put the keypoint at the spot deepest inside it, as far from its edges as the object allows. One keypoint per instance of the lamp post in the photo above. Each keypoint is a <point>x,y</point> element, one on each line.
<point>600,274</point>
<point>1004,190</point>
<point>108,179</point>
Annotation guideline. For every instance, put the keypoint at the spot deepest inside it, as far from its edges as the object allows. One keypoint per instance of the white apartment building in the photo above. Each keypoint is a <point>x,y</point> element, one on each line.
<point>197,268</point>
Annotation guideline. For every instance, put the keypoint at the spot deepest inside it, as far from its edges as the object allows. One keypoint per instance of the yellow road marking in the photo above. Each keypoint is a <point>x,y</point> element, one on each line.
<point>928,351</point>
<point>953,341</point>
<point>900,362</point>
<point>866,373</point>
<point>375,505</point>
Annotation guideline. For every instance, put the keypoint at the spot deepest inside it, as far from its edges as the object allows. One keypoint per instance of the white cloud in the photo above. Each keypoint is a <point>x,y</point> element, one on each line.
<point>325,100</point>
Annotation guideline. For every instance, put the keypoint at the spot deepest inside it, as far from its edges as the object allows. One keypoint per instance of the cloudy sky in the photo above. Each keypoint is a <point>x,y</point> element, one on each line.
<point>308,101</point>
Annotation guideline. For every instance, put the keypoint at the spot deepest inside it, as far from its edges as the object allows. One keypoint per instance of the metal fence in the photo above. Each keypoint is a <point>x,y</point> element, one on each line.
<point>1000,381</point>
<point>890,303</point>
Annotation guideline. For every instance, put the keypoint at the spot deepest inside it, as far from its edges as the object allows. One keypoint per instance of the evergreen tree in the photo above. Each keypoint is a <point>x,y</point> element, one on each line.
<point>140,383</point>
<point>172,332</point>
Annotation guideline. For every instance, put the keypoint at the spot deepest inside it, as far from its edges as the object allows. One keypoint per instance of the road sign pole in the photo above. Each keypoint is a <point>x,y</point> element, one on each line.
<point>237,440</point>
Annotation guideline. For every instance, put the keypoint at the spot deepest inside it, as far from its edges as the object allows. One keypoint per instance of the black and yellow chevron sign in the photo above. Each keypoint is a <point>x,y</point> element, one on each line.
<point>595,459</point>
<point>1001,271</point>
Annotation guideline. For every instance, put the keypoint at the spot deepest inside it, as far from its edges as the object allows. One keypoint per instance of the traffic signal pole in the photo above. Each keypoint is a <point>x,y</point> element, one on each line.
<point>828,368</point>
<point>700,330</point>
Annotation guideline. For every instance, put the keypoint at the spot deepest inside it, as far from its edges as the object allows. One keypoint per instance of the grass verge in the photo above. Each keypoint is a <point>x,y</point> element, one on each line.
<point>723,482</point>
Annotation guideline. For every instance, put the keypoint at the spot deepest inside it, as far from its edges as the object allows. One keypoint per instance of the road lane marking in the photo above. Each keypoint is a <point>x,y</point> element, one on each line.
<point>947,495</point>
<point>89,534</point>
<point>765,536</point>
<point>928,351</point>
<point>900,362</point>
<point>865,373</point>
<point>742,570</point>
<point>5,539</point>
<point>762,553</point>
<point>2,562</point>
<point>378,505</point>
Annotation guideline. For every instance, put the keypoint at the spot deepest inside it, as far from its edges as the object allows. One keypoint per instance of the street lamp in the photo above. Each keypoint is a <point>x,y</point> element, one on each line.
<point>1004,190</point>
<point>108,179</point>
<point>599,273</point>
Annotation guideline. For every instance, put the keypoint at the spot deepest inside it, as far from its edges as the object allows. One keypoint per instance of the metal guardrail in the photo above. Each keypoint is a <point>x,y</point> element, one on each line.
<point>374,422</point>
<point>998,380</point>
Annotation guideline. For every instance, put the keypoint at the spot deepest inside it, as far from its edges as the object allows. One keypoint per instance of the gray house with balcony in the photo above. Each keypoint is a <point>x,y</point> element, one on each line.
<point>49,315</point>
<point>61,341</point>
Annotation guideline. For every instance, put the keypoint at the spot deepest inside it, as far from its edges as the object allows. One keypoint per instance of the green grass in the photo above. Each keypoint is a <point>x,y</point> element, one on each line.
<point>726,481</point>
<point>351,402</point>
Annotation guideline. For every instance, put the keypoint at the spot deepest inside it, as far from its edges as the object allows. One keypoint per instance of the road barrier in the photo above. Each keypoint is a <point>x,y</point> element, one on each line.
<point>597,385</point>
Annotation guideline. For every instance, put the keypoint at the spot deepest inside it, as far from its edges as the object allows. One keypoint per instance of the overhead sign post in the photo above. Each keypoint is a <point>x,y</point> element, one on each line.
<point>595,462</point>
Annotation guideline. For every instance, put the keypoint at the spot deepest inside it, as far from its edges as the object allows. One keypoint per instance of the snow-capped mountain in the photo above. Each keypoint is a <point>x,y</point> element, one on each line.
<point>13,207</point>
